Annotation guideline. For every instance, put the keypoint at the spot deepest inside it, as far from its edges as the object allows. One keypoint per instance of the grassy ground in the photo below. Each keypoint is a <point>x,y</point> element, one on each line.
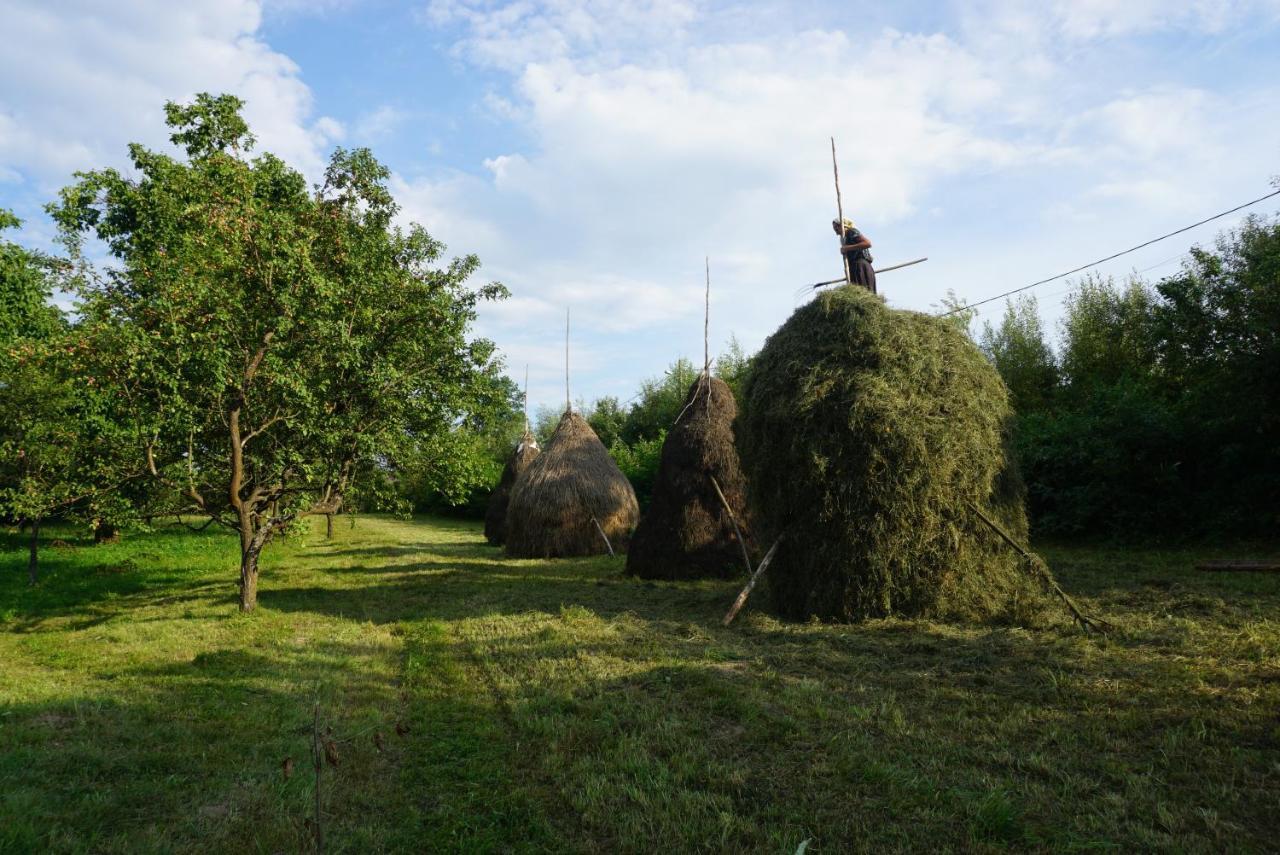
<point>480,704</point>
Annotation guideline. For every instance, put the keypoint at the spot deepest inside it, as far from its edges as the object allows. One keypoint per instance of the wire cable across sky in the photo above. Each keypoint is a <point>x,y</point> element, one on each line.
<point>1111,257</point>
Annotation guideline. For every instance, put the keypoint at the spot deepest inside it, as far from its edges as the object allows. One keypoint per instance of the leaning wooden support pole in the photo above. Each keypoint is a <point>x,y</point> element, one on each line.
<point>605,537</point>
<point>1044,575</point>
<point>751,583</point>
<point>733,518</point>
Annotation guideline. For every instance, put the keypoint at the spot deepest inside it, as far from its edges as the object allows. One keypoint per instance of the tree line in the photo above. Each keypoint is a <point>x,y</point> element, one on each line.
<point>1157,414</point>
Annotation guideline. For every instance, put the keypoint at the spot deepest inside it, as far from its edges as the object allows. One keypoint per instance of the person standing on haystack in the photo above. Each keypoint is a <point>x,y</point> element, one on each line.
<point>854,246</point>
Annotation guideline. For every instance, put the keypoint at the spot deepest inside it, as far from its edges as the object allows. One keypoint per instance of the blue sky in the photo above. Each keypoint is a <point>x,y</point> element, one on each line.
<point>592,153</point>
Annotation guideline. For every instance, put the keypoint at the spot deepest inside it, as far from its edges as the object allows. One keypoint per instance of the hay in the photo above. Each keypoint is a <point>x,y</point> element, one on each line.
<point>495,516</point>
<point>568,489</point>
<point>865,434</point>
<point>686,533</point>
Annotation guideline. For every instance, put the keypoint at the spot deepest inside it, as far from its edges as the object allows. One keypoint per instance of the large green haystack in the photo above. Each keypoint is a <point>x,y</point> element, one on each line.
<point>865,433</point>
<point>686,533</point>
<point>495,516</point>
<point>570,498</point>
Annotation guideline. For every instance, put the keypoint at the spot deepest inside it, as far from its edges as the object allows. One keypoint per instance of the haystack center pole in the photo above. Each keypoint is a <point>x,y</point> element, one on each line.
<point>567,405</point>
<point>835,170</point>
<point>526,397</point>
<point>706,325</point>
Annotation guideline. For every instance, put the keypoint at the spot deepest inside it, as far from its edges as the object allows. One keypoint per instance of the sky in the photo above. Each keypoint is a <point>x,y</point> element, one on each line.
<point>594,154</point>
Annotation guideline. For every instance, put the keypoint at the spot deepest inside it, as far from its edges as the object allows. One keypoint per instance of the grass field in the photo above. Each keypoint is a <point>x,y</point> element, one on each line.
<point>480,704</point>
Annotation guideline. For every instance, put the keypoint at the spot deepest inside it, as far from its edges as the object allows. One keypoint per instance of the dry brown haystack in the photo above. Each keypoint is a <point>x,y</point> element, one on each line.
<point>569,489</point>
<point>686,533</point>
<point>495,516</point>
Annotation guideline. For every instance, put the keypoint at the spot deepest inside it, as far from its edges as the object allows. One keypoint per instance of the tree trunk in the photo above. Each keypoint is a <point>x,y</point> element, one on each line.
<point>33,556</point>
<point>328,526</point>
<point>105,532</point>
<point>249,577</point>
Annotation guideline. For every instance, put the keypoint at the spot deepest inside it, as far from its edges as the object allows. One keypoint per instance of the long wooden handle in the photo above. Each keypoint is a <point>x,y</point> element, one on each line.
<point>835,170</point>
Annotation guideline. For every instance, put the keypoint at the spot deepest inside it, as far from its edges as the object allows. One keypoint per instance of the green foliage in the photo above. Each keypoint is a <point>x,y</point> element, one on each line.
<point>732,366</point>
<point>1021,354</point>
<point>639,462</point>
<point>1107,334</point>
<point>659,402</point>
<point>1166,418</point>
<point>607,419</point>
<point>271,342</point>
<point>25,289</point>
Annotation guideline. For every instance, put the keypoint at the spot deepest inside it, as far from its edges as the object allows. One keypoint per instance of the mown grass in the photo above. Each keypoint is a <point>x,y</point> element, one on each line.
<point>483,704</point>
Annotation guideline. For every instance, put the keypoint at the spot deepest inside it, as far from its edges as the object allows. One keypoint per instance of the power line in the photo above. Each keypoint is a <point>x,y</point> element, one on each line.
<point>1112,257</point>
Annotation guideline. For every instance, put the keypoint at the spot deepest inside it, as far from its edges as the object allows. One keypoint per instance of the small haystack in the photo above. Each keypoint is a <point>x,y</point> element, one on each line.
<point>866,433</point>
<point>495,516</point>
<point>570,498</point>
<point>686,533</point>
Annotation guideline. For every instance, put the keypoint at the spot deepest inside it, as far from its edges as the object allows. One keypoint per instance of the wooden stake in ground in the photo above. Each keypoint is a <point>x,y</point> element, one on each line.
<point>751,583</point>
<point>835,170</point>
<point>526,397</point>
<point>567,404</point>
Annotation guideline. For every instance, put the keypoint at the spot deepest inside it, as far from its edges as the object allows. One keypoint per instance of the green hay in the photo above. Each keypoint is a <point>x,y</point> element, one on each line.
<point>865,432</point>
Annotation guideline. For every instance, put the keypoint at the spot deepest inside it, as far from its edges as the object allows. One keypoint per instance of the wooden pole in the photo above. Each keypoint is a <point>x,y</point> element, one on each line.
<point>526,397</point>
<point>878,271</point>
<point>706,324</point>
<point>1042,572</point>
<point>733,518</point>
<point>751,583</point>
<point>835,170</point>
<point>567,404</point>
<point>607,544</point>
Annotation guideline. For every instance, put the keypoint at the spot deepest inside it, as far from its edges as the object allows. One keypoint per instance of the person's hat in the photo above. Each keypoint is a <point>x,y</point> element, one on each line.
<point>847,223</point>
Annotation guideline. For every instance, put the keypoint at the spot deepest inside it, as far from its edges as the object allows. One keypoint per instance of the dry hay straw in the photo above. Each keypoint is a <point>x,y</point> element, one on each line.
<point>495,515</point>
<point>569,489</point>
<point>686,532</point>
<point>865,432</point>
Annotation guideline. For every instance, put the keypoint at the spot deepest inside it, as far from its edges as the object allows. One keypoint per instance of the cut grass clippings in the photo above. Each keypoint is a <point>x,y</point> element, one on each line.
<point>484,704</point>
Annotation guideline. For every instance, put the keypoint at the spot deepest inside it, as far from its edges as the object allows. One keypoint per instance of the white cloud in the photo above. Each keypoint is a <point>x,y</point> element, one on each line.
<point>82,79</point>
<point>379,123</point>
<point>662,132</point>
